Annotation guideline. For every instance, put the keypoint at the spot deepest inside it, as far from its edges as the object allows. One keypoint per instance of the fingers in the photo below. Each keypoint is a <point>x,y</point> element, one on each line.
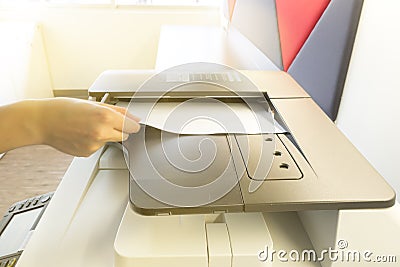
<point>125,112</point>
<point>127,125</point>
<point>125,122</point>
<point>117,136</point>
<point>122,110</point>
<point>119,121</point>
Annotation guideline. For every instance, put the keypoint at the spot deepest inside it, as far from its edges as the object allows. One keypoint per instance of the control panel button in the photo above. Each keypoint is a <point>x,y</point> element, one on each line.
<point>11,209</point>
<point>20,206</point>
<point>35,201</point>
<point>28,203</point>
<point>45,199</point>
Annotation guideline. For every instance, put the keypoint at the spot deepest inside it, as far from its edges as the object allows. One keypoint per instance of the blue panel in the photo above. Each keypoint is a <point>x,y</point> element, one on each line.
<point>257,20</point>
<point>322,63</point>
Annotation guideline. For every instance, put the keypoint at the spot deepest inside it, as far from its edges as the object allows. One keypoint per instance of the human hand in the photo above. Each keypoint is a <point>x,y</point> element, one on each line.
<point>80,127</point>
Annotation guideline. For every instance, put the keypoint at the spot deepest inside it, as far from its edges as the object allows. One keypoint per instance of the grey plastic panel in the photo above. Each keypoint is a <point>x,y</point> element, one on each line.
<point>257,154</point>
<point>257,20</point>
<point>284,167</point>
<point>266,158</point>
<point>184,161</point>
<point>322,63</point>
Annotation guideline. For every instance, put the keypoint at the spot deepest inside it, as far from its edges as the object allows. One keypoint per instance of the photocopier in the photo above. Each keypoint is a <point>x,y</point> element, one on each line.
<point>317,203</point>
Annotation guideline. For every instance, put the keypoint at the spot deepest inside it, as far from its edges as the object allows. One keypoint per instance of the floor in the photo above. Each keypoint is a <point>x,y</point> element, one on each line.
<point>30,171</point>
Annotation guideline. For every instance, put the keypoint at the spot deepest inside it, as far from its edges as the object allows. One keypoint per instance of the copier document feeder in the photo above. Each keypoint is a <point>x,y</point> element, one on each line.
<point>213,140</point>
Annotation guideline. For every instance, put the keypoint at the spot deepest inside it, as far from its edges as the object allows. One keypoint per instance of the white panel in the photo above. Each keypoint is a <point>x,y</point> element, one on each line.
<point>370,108</point>
<point>154,241</point>
<point>219,249</point>
<point>89,237</point>
<point>23,66</point>
<point>353,233</point>
<point>257,20</point>
<point>289,235</point>
<point>185,44</point>
<point>374,230</point>
<point>82,42</point>
<point>248,234</point>
<point>42,248</point>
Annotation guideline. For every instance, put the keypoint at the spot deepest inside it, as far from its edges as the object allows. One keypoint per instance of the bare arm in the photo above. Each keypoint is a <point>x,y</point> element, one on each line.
<point>73,126</point>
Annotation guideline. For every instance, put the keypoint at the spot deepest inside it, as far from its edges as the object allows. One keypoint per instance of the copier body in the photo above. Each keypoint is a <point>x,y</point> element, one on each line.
<point>91,223</point>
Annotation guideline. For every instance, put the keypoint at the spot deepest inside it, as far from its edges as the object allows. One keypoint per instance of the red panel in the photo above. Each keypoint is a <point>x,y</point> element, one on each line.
<point>296,20</point>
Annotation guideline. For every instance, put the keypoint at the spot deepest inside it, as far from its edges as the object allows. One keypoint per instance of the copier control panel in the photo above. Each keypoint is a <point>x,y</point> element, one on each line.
<point>17,225</point>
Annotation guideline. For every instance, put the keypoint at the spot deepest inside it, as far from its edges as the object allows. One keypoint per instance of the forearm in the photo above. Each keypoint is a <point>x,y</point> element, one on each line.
<point>20,124</point>
<point>73,126</point>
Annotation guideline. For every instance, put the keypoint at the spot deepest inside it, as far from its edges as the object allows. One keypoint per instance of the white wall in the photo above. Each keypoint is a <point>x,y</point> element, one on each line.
<point>81,42</point>
<point>24,72</point>
<point>370,109</point>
